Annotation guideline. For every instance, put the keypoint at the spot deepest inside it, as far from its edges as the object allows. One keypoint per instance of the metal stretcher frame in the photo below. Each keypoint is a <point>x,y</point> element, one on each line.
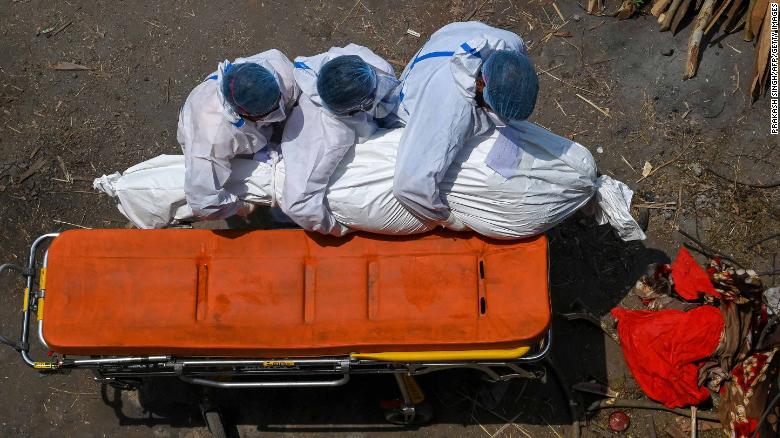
<point>325,371</point>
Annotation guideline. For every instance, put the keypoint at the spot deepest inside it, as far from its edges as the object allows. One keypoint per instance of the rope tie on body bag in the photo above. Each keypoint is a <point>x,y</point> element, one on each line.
<point>274,160</point>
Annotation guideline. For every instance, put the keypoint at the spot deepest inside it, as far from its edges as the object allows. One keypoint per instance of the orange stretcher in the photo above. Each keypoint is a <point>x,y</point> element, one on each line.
<point>265,306</point>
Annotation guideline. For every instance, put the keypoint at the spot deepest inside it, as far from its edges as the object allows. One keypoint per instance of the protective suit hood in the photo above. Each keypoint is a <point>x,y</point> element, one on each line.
<point>211,134</point>
<point>277,115</point>
<point>315,140</point>
<point>306,69</point>
<point>466,63</point>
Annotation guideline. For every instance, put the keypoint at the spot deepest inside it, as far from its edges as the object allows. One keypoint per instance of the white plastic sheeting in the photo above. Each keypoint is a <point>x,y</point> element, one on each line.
<point>551,183</point>
<point>151,194</point>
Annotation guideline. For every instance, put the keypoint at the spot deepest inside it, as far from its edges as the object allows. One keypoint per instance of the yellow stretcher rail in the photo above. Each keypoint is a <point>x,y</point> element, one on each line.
<point>40,309</point>
<point>41,286</point>
<point>428,356</point>
<point>42,279</point>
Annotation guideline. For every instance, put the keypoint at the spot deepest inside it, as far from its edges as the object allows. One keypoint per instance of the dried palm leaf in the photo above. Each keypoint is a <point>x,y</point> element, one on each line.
<point>748,35</point>
<point>761,63</point>
<point>757,15</point>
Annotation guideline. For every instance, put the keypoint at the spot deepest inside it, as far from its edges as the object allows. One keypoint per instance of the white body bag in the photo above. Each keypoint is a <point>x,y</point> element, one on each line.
<point>547,182</point>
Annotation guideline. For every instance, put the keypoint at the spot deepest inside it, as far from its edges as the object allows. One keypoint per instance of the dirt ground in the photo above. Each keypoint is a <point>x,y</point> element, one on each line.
<point>60,129</point>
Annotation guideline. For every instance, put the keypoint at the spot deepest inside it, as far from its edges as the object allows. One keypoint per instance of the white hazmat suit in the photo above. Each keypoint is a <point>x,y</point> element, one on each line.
<point>438,104</point>
<point>211,134</point>
<point>315,140</point>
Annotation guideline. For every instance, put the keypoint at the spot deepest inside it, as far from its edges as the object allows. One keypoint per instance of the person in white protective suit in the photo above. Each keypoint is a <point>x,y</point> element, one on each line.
<point>346,94</point>
<point>468,78</point>
<point>234,112</point>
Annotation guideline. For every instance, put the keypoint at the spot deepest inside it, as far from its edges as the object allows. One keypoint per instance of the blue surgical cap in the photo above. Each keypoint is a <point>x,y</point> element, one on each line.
<point>250,89</point>
<point>511,85</point>
<point>346,83</point>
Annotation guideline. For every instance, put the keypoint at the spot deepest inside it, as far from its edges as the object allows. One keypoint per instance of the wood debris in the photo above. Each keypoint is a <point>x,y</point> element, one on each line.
<point>647,169</point>
<point>65,172</point>
<point>628,164</point>
<point>555,6</point>
<point>707,16</point>
<point>595,6</point>
<point>653,171</point>
<point>627,9</point>
<point>71,224</point>
<point>604,111</point>
<point>758,82</point>
<point>69,66</point>
<point>692,62</point>
<point>31,170</point>
<point>52,33</point>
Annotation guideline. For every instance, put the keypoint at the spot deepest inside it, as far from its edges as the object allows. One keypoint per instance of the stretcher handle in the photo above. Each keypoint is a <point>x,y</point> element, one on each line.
<point>29,303</point>
<point>271,384</point>
<point>21,345</point>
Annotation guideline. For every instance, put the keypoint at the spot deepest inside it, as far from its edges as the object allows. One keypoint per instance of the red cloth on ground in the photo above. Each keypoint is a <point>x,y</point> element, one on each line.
<point>662,348</point>
<point>690,278</point>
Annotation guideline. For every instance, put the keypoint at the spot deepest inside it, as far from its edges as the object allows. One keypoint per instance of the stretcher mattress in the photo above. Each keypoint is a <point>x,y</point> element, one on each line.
<point>285,293</point>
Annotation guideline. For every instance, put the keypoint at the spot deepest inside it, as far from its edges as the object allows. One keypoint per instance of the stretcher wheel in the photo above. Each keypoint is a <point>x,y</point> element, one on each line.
<point>415,415</point>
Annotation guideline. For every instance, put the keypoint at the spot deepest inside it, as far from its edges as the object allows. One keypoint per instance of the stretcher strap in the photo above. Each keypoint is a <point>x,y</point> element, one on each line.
<point>42,287</point>
<point>274,160</point>
<point>42,280</point>
<point>26,299</point>
<point>40,309</point>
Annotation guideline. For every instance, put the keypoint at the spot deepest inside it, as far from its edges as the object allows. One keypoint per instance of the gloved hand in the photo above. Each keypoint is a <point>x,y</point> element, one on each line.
<point>453,223</point>
<point>246,209</point>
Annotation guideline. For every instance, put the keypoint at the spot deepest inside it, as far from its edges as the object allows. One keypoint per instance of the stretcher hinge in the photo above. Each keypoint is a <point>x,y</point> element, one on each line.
<point>45,365</point>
